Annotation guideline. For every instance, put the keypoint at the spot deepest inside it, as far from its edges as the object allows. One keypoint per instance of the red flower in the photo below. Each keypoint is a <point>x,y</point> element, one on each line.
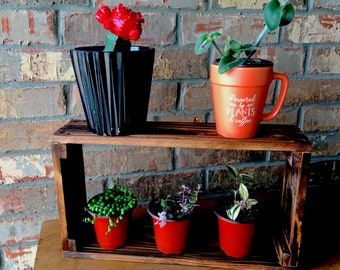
<point>121,21</point>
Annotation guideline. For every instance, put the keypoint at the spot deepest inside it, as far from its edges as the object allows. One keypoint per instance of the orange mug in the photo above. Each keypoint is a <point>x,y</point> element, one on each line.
<point>239,97</point>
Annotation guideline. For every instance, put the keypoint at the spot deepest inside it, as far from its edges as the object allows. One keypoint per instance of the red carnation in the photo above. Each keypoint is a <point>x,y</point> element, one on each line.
<point>121,21</point>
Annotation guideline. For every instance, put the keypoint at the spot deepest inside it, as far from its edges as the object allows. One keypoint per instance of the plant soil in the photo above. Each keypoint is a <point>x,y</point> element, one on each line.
<point>245,216</point>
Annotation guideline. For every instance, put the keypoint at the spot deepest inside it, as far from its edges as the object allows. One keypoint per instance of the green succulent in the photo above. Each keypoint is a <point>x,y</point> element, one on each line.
<point>115,202</point>
<point>276,13</point>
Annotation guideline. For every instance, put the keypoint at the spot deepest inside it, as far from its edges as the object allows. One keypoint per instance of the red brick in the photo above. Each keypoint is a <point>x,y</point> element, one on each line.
<point>35,65</point>
<point>179,64</point>
<point>313,91</point>
<point>48,2</point>
<point>197,97</point>
<point>149,187</point>
<point>10,65</point>
<point>174,4</point>
<point>28,200</point>
<point>127,159</point>
<point>26,102</point>
<point>28,27</point>
<point>43,65</point>
<point>181,116</point>
<point>188,158</point>
<point>81,28</point>
<point>264,176</point>
<point>19,257</point>
<point>163,97</point>
<point>325,144</point>
<point>158,29</point>
<point>31,135</point>
<point>22,168</point>
<point>324,60</point>
<point>313,28</point>
<point>94,187</point>
<point>289,61</point>
<point>326,4</point>
<point>22,229</point>
<point>241,27</point>
<point>245,4</point>
<point>250,4</point>
<point>288,116</point>
<point>75,105</point>
<point>321,119</point>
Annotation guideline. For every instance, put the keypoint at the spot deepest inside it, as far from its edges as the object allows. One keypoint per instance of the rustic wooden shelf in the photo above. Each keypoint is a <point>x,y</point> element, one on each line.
<point>78,241</point>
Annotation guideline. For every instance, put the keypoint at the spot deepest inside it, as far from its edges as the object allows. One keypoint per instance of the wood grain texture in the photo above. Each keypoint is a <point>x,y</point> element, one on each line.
<point>190,135</point>
<point>283,237</point>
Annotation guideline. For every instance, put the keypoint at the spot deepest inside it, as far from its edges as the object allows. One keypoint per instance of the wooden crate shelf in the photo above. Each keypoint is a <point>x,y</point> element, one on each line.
<point>282,250</point>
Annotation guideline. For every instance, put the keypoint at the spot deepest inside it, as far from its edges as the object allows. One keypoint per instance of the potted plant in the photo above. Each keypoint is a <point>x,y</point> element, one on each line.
<point>115,81</point>
<point>240,83</point>
<point>109,213</point>
<point>171,219</point>
<point>236,217</point>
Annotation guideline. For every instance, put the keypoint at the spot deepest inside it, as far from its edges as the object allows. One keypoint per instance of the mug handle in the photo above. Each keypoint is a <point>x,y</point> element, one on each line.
<point>283,91</point>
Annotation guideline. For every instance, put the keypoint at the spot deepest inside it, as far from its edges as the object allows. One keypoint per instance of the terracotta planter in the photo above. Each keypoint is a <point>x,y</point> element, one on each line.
<point>116,237</point>
<point>235,238</point>
<point>172,238</point>
<point>114,88</point>
<point>239,97</point>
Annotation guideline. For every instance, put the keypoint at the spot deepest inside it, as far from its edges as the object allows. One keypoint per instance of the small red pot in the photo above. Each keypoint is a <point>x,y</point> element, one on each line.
<point>172,238</point>
<point>116,237</point>
<point>235,238</point>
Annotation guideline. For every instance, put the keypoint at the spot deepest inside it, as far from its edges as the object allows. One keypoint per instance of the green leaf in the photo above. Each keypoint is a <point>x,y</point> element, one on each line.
<point>252,201</point>
<point>246,178</point>
<point>233,45</point>
<point>232,171</point>
<point>243,192</point>
<point>272,15</point>
<point>288,15</point>
<point>233,212</point>
<point>249,46</point>
<point>203,43</point>
<point>228,63</point>
<point>214,35</point>
<point>278,13</point>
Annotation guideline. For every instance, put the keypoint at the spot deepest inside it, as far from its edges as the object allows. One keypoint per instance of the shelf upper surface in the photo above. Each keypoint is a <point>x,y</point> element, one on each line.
<point>189,135</point>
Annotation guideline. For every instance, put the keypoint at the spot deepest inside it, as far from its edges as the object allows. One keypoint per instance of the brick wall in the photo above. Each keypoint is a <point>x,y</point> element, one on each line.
<point>38,94</point>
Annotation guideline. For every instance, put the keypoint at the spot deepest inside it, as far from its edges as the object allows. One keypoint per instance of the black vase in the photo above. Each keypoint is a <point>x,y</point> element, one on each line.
<point>114,88</point>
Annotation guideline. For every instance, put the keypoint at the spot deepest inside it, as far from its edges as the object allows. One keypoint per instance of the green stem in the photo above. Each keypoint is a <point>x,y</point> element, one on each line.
<point>258,41</point>
<point>217,48</point>
<point>110,42</point>
<point>261,36</point>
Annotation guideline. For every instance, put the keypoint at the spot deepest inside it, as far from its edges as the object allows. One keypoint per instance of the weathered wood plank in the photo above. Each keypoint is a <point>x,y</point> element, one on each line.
<point>67,155</point>
<point>190,135</point>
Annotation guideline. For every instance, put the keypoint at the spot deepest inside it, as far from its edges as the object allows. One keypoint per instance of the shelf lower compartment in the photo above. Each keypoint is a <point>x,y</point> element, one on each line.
<point>202,245</point>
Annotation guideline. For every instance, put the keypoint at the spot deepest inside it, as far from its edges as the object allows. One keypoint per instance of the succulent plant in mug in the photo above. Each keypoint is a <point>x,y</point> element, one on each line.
<point>276,13</point>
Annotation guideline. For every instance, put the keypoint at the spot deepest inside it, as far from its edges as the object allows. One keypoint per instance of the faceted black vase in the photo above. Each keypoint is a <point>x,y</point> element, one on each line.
<point>114,88</point>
